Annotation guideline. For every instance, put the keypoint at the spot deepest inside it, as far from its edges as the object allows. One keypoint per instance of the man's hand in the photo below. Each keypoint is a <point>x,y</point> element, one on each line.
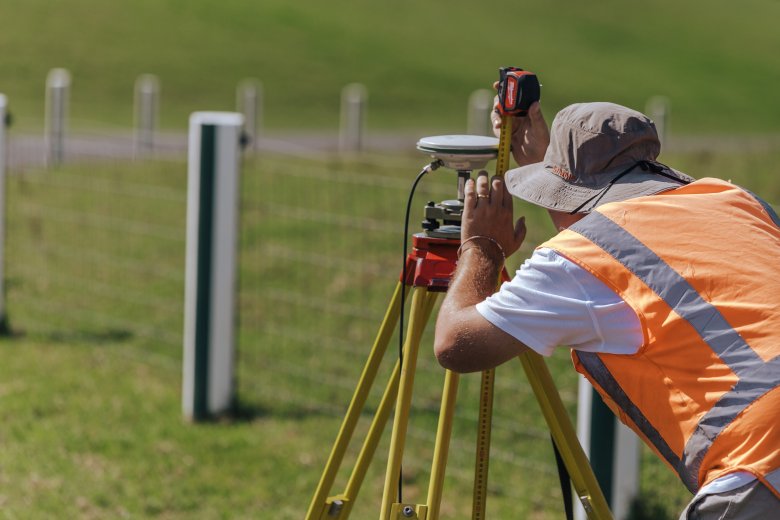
<point>465,341</point>
<point>530,135</point>
<point>487,213</point>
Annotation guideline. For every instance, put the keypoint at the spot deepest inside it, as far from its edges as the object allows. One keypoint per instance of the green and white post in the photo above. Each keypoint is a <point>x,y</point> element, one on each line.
<point>210,280</point>
<point>4,119</point>
<point>613,450</point>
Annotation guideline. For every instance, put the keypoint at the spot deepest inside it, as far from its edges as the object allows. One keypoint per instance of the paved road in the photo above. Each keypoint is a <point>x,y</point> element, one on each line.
<point>29,151</point>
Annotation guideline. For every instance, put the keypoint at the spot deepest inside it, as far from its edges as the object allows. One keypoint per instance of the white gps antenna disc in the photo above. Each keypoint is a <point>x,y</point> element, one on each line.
<point>460,152</point>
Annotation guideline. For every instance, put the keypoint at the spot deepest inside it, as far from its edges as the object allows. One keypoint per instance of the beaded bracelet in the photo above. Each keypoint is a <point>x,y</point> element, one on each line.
<point>500,249</point>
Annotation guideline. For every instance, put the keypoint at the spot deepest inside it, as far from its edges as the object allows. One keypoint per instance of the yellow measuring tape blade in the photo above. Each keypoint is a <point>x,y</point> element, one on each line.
<point>483,444</point>
<point>488,377</point>
<point>504,146</point>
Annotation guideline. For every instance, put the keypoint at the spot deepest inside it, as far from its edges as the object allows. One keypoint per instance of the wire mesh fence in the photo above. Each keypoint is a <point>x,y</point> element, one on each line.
<point>96,254</point>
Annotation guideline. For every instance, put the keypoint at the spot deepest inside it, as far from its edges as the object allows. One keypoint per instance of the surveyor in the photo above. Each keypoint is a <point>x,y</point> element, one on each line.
<point>665,288</point>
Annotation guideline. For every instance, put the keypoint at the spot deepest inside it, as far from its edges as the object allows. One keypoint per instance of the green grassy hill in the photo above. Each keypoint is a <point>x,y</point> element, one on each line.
<point>716,61</point>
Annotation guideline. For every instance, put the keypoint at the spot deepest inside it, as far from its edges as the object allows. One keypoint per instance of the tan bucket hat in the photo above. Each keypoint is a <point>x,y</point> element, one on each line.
<point>598,153</point>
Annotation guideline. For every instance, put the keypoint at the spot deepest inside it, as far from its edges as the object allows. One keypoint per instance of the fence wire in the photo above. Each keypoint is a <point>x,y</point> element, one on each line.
<point>96,254</point>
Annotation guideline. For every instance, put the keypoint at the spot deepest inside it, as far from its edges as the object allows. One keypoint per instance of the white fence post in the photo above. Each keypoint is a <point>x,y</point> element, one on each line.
<point>657,109</point>
<point>4,327</point>
<point>354,98</point>
<point>57,98</point>
<point>146,100</point>
<point>210,279</point>
<point>613,449</point>
<point>249,102</point>
<point>478,116</point>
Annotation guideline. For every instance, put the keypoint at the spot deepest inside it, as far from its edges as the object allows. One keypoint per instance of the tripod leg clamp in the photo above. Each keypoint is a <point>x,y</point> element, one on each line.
<point>408,512</point>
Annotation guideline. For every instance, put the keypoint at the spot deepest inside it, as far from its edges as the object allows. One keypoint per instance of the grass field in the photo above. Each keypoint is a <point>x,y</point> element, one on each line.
<point>420,60</point>
<point>90,378</point>
<point>90,382</point>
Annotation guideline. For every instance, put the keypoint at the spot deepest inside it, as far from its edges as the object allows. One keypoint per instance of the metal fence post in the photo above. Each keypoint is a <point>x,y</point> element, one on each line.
<point>4,118</point>
<point>657,109</point>
<point>146,101</point>
<point>613,450</point>
<point>210,279</point>
<point>57,98</point>
<point>478,116</point>
<point>354,98</point>
<point>249,102</point>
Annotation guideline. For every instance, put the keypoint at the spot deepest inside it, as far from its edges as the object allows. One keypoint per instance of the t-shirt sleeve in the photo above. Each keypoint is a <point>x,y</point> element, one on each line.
<point>553,302</point>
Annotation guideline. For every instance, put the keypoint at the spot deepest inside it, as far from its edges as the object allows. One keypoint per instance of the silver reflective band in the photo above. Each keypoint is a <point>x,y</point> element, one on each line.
<point>598,371</point>
<point>747,391</point>
<point>773,477</point>
<point>756,378</point>
<point>672,288</point>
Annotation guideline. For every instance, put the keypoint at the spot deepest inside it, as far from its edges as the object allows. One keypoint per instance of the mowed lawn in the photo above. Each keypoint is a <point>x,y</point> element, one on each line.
<point>90,379</point>
<point>420,60</point>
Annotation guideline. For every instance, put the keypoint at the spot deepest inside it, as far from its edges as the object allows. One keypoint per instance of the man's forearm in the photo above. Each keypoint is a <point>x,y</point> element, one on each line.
<point>475,278</point>
<point>456,327</point>
<point>466,341</point>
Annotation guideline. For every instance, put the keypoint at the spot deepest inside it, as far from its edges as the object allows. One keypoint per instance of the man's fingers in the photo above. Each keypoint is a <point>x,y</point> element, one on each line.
<point>469,193</point>
<point>506,197</point>
<point>520,231</point>
<point>535,113</point>
<point>498,190</point>
<point>483,186</point>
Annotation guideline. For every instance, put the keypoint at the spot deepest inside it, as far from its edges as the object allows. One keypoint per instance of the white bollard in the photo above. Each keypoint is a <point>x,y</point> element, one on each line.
<point>657,109</point>
<point>614,451</point>
<point>354,98</point>
<point>210,280</point>
<point>57,99</point>
<point>478,116</point>
<point>249,102</point>
<point>146,100</point>
<point>3,162</point>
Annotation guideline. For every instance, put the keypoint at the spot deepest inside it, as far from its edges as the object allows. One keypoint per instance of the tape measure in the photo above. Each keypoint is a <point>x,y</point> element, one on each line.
<point>518,89</point>
<point>484,429</point>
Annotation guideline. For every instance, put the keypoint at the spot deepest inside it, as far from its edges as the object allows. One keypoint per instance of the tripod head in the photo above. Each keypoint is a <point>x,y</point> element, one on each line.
<point>462,153</point>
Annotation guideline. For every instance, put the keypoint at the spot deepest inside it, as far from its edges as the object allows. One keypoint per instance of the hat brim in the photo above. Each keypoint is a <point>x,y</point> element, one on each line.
<point>538,185</point>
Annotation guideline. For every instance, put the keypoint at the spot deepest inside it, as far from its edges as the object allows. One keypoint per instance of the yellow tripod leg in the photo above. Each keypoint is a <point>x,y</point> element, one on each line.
<point>371,442</point>
<point>422,305</point>
<point>584,481</point>
<point>318,503</point>
<point>442,446</point>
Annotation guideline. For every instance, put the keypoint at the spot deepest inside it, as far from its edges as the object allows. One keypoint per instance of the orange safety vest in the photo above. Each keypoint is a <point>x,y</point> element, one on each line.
<point>699,266</point>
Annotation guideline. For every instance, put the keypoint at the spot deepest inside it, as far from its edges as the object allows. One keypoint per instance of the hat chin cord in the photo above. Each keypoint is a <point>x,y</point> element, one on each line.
<point>652,167</point>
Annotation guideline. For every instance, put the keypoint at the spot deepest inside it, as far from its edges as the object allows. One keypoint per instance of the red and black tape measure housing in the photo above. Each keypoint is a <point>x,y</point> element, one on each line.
<point>517,90</point>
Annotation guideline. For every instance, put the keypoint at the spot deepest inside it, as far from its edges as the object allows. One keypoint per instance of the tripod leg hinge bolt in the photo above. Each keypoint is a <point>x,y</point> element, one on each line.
<point>335,507</point>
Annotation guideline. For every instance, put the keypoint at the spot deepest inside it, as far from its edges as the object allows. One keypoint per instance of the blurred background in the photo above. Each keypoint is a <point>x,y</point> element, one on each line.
<point>94,231</point>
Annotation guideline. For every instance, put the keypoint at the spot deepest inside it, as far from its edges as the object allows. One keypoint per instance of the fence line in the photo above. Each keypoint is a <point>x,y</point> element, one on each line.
<point>116,218</point>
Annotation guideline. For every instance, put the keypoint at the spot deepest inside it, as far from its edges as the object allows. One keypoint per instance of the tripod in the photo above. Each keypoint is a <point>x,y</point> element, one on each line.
<point>429,268</point>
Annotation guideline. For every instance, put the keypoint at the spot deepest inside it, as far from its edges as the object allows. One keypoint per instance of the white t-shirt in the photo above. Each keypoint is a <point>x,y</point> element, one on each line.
<point>552,301</point>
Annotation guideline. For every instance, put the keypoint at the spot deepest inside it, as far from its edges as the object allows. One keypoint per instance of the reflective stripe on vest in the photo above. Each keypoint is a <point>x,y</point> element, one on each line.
<point>774,478</point>
<point>756,377</point>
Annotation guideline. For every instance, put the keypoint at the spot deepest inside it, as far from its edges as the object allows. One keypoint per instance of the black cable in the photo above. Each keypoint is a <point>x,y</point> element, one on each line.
<point>565,480</point>
<point>429,168</point>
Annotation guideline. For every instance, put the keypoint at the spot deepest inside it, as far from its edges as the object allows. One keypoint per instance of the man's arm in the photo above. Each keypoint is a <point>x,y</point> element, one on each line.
<point>465,341</point>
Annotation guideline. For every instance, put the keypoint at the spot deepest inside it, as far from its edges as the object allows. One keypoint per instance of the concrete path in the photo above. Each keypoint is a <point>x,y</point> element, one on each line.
<point>28,151</point>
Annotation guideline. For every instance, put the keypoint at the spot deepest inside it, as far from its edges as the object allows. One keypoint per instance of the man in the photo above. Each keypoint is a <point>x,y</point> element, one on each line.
<point>666,289</point>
